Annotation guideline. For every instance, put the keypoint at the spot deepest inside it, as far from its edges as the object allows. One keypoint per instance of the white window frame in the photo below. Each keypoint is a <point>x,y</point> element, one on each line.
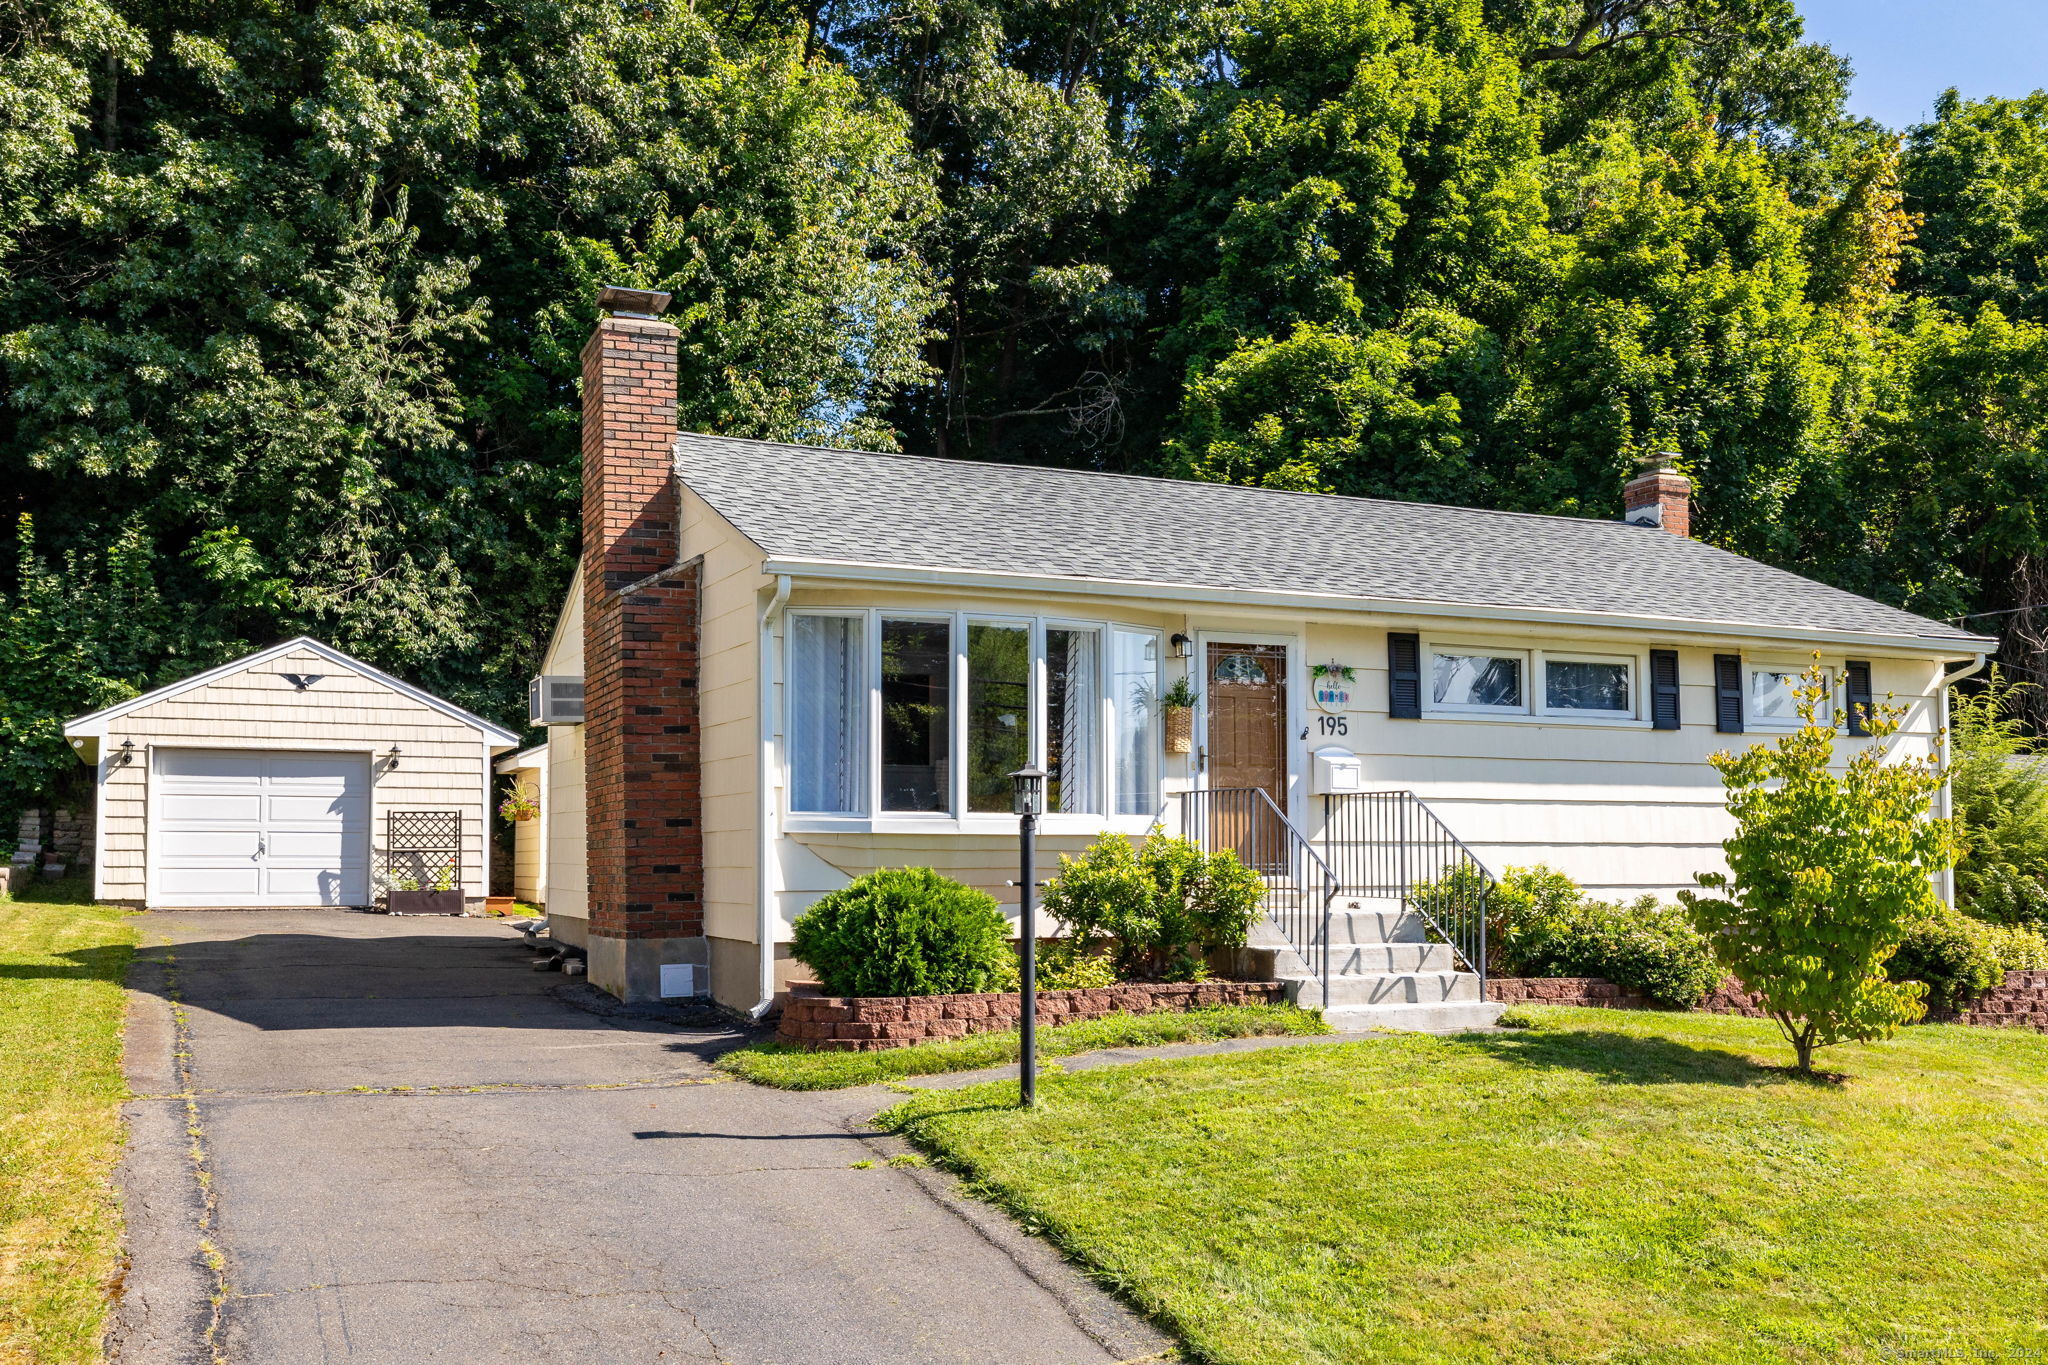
<point>1431,649</point>
<point>1535,708</point>
<point>1546,657</point>
<point>1831,674</point>
<point>956,818</point>
<point>869,685</point>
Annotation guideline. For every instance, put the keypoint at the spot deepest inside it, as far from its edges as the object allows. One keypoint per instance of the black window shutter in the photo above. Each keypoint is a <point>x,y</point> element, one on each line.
<point>1404,675</point>
<point>1664,689</point>
<point>1856,673</point>
<point>1728,693</point>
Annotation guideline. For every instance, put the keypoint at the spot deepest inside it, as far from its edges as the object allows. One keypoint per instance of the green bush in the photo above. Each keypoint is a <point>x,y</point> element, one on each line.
<point>1159,908</point>
<point>1539,923</point>
<point>2000,893</point>
<point>905,931</point>
<point>1069,966</point>
<point>2019,947</point>
<point>1955,956</point>
<point>2001,806</point>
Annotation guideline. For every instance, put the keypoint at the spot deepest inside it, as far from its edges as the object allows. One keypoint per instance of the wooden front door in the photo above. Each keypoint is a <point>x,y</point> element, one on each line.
<point>1247,743</point>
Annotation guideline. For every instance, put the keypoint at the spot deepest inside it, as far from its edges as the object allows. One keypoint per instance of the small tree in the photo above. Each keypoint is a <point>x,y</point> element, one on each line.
<point>1827,873</point>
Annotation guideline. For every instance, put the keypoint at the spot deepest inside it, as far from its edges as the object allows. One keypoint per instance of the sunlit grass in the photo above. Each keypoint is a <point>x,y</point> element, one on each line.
<point>1607,1186</point>
<point>789,1067</point>
<point>61,1008</point>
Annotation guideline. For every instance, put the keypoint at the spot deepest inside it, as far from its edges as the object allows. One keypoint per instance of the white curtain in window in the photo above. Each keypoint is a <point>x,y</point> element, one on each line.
<point>1134,695</point>
<point>1072,718</point>
<point>826,714</point>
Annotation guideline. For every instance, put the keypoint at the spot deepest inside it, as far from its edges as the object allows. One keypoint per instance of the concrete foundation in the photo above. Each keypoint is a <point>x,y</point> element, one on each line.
<point>630,968</point>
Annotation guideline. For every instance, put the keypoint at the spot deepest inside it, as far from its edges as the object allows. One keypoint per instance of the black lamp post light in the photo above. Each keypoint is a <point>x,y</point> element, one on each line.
<point>1029,783</point>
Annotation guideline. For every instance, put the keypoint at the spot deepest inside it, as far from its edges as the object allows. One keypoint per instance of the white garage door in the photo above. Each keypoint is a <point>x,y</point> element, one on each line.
<point>256,828</point>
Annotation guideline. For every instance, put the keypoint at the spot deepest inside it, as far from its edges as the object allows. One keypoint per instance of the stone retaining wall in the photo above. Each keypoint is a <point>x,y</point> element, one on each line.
<point>876,1022</point>
<point>2020,1002</point>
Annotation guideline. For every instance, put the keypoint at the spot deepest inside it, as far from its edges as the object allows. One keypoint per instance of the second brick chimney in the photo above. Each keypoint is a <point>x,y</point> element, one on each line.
<point>641,794</point>
<point>1659,495</point>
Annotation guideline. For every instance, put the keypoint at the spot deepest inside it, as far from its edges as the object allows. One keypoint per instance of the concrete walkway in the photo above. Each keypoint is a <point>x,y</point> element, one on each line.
<point>377,1140</point>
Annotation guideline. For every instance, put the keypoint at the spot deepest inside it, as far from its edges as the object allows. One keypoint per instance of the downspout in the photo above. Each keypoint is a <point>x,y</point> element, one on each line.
<point>1948,680</point>
<point>764,792</point>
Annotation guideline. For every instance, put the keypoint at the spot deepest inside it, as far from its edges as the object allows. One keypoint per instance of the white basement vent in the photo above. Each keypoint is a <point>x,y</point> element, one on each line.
<point>554,701</point>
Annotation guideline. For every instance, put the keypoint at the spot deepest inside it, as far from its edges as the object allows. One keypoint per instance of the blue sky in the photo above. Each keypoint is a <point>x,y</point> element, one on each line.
<point>1908,51</point>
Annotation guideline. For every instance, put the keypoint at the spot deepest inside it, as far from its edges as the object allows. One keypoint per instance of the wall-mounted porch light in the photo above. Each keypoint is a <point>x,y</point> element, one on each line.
<point>391,759</point>
<point>1183,647</point>
<point>126,753</point>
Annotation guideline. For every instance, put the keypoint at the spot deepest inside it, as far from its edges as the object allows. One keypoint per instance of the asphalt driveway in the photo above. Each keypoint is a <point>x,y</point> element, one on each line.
<point>382,1140</point>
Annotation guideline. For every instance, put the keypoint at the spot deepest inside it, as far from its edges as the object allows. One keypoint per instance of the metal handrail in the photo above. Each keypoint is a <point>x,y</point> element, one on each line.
<point>1301,884</point>
<point>1392,846</point>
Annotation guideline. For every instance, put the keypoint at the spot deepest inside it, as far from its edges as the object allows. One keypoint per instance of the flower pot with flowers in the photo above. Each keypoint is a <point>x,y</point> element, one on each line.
<point>521,804</point>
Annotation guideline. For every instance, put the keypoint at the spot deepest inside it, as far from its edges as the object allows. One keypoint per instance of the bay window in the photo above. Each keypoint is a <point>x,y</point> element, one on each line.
<point>1073,718</point>
<point>950,706</point>
<point>917,669</point>
<point>828,712</point>
<point>998,711</point>
<point>1134,702</point>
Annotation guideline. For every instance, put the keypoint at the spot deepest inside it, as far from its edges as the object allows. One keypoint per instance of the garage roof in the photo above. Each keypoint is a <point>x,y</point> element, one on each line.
<point>94,724</point>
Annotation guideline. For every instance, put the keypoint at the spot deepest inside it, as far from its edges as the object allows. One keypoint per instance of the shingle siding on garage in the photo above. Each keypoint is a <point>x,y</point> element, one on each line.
<point>441,763</point>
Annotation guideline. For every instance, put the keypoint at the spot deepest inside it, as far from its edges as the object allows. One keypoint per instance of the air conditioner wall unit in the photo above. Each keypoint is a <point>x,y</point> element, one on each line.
<point>554,701</point>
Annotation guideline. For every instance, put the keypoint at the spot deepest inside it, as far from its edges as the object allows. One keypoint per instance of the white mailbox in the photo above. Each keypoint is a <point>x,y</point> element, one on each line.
<point>1338,771</point>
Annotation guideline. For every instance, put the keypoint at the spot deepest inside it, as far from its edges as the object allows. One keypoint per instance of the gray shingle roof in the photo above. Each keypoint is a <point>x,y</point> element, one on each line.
<point>804,502</point>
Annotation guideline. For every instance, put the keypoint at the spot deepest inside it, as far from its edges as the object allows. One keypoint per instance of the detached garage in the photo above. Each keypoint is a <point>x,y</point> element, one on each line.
<point>294,777</point>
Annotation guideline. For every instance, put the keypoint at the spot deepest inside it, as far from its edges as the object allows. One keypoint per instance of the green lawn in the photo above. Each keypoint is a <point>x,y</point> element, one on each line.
<point>1607,1186</point>
<point>794,1068</point>
<point>60,1133</point>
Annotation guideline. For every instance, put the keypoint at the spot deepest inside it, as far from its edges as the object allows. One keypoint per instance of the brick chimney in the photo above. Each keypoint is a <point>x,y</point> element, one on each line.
<point>1659,495</point>
<point>641,795</point>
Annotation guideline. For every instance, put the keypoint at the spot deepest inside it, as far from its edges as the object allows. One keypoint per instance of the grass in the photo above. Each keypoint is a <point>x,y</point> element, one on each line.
<point>1604,1187</point>
<point>788,1067</point>
<point>61,1008</point>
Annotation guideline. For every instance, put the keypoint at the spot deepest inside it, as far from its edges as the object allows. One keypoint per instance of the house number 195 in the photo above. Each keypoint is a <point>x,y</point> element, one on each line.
<point>1334,725</point>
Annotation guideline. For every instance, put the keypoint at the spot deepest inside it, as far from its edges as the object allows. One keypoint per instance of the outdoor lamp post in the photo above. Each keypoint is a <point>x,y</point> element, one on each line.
<point>1029,782</point>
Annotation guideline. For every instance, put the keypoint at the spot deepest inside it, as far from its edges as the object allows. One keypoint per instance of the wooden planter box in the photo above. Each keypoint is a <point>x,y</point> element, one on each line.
<point>423,902</point>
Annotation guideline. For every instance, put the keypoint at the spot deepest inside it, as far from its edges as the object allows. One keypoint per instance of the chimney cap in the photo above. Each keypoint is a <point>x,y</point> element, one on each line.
<point>620,301</point>
<point>1657,462</point>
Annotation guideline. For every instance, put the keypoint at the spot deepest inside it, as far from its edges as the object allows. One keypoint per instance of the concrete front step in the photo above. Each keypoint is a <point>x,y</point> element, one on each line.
<point>1380,959</point>
<point>1376,925</point>
<point>1386,988</point>
<point>1458,1016</point>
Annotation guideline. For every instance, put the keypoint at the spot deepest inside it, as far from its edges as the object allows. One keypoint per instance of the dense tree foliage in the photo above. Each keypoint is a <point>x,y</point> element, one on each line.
<point>290,297</point>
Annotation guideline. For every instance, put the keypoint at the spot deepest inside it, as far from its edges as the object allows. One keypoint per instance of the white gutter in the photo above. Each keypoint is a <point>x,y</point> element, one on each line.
<point>764,791</point>
<point>1947,878</point>
<point>855,571</point>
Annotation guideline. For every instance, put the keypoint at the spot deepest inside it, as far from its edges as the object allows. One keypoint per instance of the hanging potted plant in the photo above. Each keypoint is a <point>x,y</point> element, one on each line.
<point>1179,707</point>
<point>520,805</point>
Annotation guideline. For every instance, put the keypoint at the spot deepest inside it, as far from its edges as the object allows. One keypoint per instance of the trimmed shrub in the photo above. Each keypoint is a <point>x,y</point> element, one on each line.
<point>1161,907</point>
<point>2019,948</point>
<point>1959,958</point>
<point>1954,956</point>
<point>1539,923</point>
<point>905,931</point>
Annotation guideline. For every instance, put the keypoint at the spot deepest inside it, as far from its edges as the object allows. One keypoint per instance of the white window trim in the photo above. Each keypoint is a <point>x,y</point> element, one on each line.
<point>1546,657</point>
<point>1431,706</point>
<point>1831,673</point>
<point>868,686</point>
<point>1534,710</point>
<point>956,819</point>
